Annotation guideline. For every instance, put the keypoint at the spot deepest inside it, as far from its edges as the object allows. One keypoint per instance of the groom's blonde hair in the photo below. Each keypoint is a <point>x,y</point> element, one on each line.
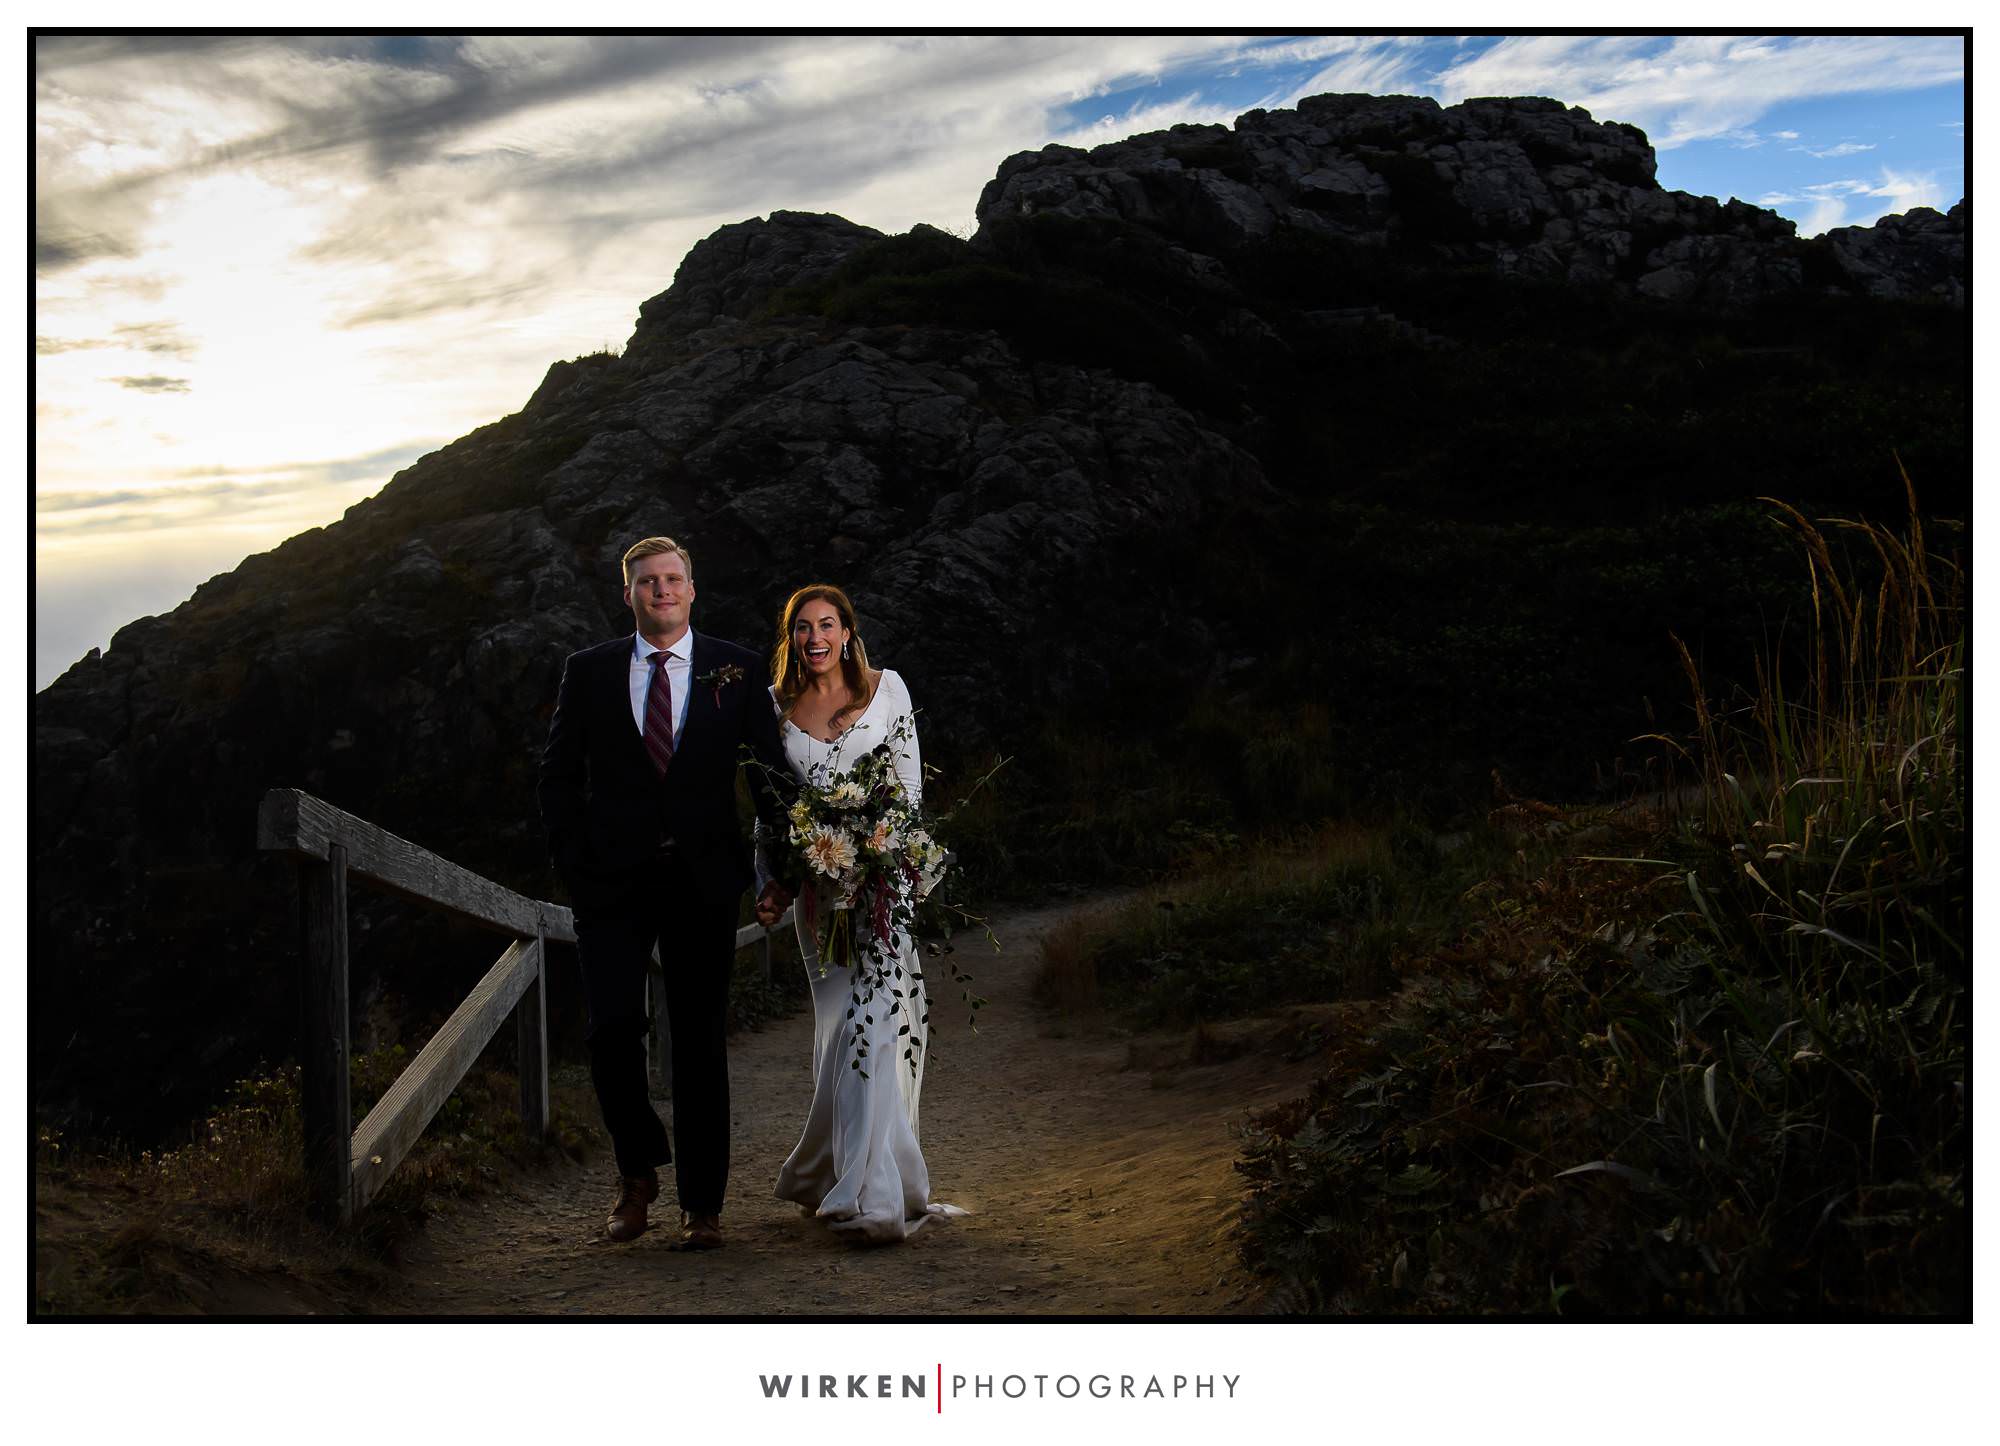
<point>652,547</point>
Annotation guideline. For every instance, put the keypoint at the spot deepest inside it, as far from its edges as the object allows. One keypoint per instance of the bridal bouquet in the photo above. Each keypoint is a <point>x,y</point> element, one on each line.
<point>860,842</point>
<point>865,858</point>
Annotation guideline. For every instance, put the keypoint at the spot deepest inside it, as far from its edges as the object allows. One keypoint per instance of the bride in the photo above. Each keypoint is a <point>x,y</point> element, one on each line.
<point>857,1165</point>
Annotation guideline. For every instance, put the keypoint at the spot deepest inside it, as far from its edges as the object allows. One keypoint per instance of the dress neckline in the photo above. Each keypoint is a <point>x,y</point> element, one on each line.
<point>862,718</point>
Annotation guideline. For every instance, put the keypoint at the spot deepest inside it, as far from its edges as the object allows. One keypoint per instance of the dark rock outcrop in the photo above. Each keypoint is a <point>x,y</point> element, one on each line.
<point>1005,513</point>
<point>740,267</point>
<point>1528,187</point>
<point>1918,254</point>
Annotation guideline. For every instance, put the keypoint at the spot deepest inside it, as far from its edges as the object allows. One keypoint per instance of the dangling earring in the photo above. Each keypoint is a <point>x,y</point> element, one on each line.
<point>843,652</point>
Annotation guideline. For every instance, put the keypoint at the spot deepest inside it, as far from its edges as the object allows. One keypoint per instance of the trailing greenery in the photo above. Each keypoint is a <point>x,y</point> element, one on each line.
<point>1716,1065</point>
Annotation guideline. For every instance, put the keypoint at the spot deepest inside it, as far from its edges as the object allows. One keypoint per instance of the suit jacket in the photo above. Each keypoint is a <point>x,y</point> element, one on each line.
<point>608,812</point>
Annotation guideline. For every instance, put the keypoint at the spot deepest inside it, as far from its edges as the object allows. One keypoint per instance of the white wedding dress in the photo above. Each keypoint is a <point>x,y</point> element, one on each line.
<point>857,1166</point>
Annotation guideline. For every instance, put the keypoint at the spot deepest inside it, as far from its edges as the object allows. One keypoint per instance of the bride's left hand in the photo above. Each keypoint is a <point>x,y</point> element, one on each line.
<point>771,904</point>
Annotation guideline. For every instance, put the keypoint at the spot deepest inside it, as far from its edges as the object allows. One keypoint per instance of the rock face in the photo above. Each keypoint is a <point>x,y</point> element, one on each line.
<point>998,515</point>
<point>1528,187</point>
<point>402,663</point>
<point>740,267</point>
<point>1918,254</point>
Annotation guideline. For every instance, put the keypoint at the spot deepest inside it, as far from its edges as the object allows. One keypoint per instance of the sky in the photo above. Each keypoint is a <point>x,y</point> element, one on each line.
<point>271,271</point>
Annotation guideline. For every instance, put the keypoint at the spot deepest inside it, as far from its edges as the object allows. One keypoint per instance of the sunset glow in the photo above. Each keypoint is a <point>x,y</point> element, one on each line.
<point>273,271</point>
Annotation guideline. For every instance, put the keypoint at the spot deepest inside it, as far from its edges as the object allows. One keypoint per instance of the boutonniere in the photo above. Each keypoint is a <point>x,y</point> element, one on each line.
<point>720,678</point>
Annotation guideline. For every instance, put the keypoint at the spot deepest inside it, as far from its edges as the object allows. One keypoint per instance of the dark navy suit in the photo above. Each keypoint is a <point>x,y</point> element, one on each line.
<point>659,859</point>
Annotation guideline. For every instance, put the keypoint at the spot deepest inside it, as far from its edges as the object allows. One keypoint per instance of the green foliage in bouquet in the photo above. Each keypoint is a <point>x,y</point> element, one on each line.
<point>867,860</point>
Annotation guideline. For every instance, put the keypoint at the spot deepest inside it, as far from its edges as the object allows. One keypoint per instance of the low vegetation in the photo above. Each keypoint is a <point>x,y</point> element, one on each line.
<point>1724,1073</point>
<point>1243,929</point>
<point>219,1224</point>
<point>1621,1061</point>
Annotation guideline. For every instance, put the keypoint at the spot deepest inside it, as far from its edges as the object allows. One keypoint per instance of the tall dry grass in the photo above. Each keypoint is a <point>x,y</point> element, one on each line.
<point>1842,793</point>
<point>1836,907</point>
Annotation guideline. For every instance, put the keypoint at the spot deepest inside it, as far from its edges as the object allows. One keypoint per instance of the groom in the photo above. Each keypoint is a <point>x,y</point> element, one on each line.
<point>638,793</point>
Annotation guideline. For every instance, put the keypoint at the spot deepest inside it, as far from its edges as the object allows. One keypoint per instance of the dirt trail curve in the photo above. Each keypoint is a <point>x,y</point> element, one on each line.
<point>1096,1188</point>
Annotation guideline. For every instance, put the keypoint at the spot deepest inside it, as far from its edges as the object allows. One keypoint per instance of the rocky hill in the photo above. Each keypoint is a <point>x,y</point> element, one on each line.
<point>1527,188</point>
<point>1078,467</point>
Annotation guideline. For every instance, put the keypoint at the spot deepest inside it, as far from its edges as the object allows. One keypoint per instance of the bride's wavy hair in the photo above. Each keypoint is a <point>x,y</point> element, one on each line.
<point>788,673</point>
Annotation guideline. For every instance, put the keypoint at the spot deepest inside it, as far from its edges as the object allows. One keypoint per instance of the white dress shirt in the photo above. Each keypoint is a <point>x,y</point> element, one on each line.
<point>679,666</point>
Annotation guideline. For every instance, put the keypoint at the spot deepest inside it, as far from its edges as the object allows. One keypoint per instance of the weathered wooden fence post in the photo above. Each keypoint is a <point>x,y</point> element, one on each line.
<point>325,1111</point>
<point>346,1164</point>
<point>532,1034</point>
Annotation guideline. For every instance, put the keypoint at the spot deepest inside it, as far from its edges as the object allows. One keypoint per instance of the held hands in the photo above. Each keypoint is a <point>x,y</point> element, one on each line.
<point>772,903</point>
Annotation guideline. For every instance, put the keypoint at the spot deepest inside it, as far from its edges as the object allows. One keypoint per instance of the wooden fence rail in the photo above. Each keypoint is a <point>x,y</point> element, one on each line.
<point>345,1170</point>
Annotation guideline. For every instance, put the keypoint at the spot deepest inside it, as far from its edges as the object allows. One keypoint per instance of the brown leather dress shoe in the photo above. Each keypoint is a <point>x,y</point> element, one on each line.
<point>628,1216</point>
<point>699,1232</point>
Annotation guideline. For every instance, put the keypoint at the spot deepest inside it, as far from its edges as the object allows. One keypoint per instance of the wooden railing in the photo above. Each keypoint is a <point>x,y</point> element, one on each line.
<point>345,1170</point>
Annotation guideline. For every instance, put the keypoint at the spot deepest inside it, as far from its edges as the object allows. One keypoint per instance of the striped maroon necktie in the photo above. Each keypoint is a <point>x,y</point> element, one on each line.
<point>660,715</point>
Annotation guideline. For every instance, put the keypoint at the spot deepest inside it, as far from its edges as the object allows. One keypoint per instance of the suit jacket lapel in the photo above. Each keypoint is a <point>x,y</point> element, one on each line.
<point>700,660</point>
<point>618,687</point>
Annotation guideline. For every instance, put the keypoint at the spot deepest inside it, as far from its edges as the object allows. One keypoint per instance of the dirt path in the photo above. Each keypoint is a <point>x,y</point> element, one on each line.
<point>1097,1188</point>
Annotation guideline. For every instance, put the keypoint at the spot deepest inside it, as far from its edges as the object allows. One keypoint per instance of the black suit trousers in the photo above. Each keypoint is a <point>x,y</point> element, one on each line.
<point>694,925</point>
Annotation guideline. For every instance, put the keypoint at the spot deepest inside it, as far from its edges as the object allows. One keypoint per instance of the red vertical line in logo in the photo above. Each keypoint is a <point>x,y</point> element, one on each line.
<point>940,1388</point>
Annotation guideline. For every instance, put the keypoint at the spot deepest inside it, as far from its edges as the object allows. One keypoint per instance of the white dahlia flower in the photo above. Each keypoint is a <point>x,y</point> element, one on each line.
<point>829,852</point>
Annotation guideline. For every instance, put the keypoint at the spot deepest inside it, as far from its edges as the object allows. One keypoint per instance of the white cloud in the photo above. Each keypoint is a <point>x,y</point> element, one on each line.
<point>1691,88</point>
<point>1189,109</point>
<point>1386,67</point>
<point>1855,202</point>
<point>1904,191</point>
<point>1845,148</point>
<point>1826,213</point>
<point>1319,47</point>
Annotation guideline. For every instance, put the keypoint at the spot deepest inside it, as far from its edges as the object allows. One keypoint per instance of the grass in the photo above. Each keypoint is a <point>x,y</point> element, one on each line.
<point>1713,1064</point>
<point>1243,929</point>
<point>219,1223</point>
